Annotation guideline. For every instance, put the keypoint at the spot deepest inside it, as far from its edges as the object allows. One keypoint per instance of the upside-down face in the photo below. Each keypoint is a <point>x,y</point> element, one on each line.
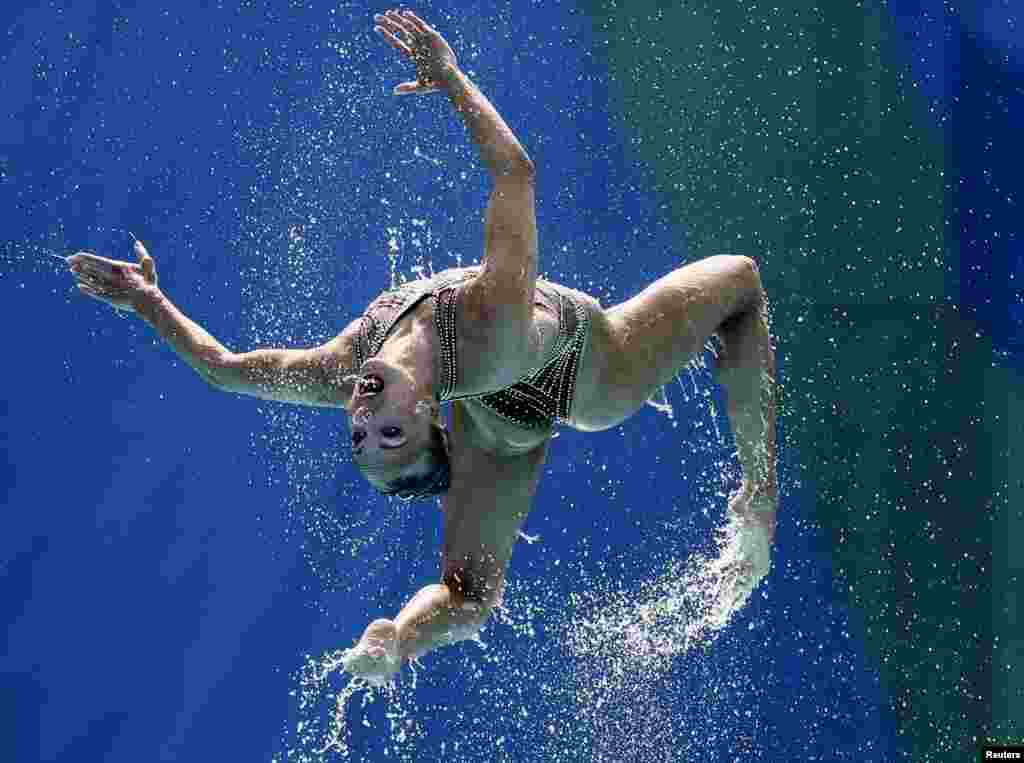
<point>389,422</point>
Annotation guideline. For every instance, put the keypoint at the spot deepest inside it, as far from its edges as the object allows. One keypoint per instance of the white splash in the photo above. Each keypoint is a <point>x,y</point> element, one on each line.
<point>312,742</point>
<point>687,606</point>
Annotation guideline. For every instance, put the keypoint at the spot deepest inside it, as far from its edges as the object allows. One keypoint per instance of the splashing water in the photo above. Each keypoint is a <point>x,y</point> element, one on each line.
<point>687,606</point>
<point>694,599</point>
<point>312,743</point>
<point>701,364</point>
<point>659,402</point>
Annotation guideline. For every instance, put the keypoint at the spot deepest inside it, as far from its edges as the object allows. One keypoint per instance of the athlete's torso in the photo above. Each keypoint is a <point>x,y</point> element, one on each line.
<point>514,418</point>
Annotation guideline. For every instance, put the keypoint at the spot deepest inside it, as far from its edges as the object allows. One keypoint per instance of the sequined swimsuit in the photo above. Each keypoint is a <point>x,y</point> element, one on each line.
<point>543,396</point>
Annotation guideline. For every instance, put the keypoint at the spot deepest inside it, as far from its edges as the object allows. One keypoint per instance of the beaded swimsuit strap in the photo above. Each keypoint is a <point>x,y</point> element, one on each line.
<point>444,320</point>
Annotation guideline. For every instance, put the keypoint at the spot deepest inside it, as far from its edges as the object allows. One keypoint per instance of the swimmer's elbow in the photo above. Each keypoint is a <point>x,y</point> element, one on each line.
<point>482,616</point>
<point>468,626</point>
<point>215,369</point>
<point>470,599</point>
<point>749,275</point>
<point>468,617</point>
<point>473,614</point>
<point>211,377</point>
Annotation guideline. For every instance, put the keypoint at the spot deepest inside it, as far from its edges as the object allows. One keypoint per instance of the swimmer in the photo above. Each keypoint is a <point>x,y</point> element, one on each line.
<point>511,353</point>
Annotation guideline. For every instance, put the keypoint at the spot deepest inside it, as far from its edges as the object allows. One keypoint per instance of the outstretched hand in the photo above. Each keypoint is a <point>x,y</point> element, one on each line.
<point>122,285</point>
<point>419,42</point>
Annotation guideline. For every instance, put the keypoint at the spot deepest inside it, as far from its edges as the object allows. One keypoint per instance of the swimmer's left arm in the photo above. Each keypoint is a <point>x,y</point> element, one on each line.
<point>484,510</point>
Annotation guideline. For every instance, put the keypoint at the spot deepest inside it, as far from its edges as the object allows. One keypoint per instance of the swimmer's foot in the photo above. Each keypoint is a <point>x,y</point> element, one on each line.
<point>744,557</point>
<point>756,505</point>
<point>745,544</point>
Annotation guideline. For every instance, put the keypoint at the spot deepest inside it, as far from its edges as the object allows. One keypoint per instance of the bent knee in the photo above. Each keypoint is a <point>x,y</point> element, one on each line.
<point>745,279</point>
<point>741,267</point>
<point>752,271</point>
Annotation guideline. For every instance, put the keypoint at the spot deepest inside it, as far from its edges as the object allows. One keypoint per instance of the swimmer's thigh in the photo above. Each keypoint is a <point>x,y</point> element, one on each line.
<point>639,345</point>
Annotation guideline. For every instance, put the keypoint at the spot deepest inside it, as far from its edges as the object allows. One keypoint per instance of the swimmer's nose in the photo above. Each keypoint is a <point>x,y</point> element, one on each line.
<point>357,437</point>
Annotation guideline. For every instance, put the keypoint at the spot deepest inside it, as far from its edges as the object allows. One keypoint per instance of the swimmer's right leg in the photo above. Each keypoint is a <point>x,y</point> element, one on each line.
<point>639,345</point>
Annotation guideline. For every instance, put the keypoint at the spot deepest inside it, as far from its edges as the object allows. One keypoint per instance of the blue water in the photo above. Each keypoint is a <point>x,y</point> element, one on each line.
<point>171,555</point>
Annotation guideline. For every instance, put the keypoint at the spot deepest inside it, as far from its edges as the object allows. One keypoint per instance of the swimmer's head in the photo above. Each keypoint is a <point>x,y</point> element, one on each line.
<point>428,476</point>
<point>398,442</point>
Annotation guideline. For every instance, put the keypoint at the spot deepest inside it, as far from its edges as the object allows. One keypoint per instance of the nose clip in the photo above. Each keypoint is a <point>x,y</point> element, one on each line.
<point>370,385</point>
<point>367,386</point>
<point>362,417</point>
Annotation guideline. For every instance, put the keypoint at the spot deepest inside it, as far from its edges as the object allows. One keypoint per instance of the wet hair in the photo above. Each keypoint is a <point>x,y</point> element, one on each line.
<point>435,481</point>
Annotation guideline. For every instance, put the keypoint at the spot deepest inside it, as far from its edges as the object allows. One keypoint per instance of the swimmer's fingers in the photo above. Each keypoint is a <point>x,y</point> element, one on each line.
<point>108,276</point>
<point>89,291</point>
<point>415,39</point>
<point>114,271</point>
<point>104,286</point>
<point>418,24</point>
<point>122,285</point>
<point>400,27</point>
<point>396,43</point>
<point>93,279</point>
<point>94,264</point>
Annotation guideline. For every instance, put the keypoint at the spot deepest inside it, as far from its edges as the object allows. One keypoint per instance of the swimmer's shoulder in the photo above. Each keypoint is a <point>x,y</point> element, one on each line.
<point>340,355</point>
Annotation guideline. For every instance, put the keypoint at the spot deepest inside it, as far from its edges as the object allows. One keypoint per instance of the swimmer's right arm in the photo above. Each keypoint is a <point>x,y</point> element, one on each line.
<point>499,301</point>
<point>306,376</point>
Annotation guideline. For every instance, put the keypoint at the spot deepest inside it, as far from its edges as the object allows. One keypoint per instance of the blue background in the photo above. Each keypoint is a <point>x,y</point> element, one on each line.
<point>171,555</point>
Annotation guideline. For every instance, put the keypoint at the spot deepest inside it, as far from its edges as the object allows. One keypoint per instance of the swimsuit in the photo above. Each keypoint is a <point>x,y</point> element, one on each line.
<point>536,401</point>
